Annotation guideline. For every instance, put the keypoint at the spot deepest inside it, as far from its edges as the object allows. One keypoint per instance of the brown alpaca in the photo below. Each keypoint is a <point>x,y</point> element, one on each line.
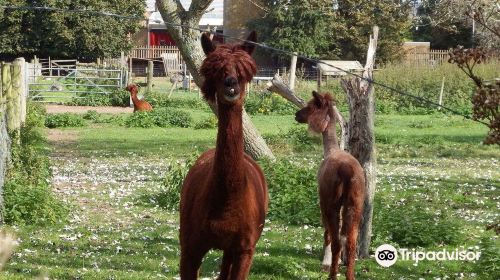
<point>224,196</point>
<point>139,105</point>
<point>341,185</point>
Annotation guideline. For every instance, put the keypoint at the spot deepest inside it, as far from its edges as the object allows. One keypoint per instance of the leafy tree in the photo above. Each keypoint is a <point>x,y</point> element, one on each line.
<point>443,23</point>
<point>333,29</point>
<point>449,23</point>
<point>68,34</point>
<point>296,25</point>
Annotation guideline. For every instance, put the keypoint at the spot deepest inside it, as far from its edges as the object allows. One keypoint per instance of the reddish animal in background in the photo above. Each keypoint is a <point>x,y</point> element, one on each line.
<point>341,185</point>
<point>139,105</point>
<point>224,196</point>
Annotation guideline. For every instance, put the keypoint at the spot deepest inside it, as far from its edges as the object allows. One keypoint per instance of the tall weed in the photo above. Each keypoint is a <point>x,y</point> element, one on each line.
<point>27,193</point>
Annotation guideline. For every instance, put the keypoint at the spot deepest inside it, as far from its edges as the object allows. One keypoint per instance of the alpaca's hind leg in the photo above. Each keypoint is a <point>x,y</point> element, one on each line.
<point>225,268</point>
<point>190,263</point>
<point>351,225</point>
<point>333,227</point>
<point>327,257</point>
<point>241,265</point>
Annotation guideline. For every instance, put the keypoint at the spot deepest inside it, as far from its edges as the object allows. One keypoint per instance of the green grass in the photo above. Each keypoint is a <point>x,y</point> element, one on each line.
<point>117,230</point>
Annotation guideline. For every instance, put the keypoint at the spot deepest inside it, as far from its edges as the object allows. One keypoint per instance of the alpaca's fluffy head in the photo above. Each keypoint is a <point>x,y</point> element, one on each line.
<point>316,112</point>
<point>227,69</point>
<point>132,88</point>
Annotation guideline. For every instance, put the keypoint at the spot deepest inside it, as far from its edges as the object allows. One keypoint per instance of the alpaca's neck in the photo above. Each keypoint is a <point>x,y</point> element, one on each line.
<point>330,142</point>
<point>133,95</point>
<point>229,155</point>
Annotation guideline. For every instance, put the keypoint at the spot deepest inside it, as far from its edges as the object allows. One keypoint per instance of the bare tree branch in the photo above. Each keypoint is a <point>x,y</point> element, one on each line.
<point>198,7</point>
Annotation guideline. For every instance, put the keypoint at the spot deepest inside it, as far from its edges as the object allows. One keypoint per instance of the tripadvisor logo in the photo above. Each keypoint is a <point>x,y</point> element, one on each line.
<point>386,255</point>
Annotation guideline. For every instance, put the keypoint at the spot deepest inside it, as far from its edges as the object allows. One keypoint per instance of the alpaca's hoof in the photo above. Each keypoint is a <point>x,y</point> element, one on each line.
<point>325,268</point>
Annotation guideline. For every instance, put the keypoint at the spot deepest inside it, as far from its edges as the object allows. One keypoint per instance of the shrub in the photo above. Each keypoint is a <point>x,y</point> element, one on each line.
<point>64,120</point>
<point>116,119</point>
<point>91,115</point>
<point>27,194</point>
<point>31,204</point>
<point>91,99</point>
<point>413,224</point>
<point>208,123</point>
<point>157,100</point>
<point>170,195</point>
<point>140,119</point>
<point>268,103</point>
<point>297,137</point>
<point>36,115</point>
<point>489,261</point>
<point>175,117</point>
<point>117,97</point>
<point>162,117</point>
<point>292,191</point>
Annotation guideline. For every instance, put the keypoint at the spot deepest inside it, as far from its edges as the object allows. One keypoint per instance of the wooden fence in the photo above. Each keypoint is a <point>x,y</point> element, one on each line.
<point>154,52</point>
<point>431,57</point>
<point>12,111</point>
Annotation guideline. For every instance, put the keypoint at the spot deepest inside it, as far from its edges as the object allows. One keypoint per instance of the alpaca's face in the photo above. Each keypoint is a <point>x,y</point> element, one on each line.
<point>132,88</point>
<point>227,69</point>
<point>315,113</point>
<point>231,89</point>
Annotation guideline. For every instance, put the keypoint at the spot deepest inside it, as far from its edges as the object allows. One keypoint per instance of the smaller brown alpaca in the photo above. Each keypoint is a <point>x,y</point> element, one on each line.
<point>341,186</point>
<point>139,105</point>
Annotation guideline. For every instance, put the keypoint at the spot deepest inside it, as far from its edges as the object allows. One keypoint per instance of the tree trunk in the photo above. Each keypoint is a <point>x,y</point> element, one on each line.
<point>361,141</point>
<point>188,42</point>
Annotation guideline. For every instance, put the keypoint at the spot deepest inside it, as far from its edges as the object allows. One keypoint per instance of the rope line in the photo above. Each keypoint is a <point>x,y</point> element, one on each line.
<point>51,9</point>
<point>260,45</point>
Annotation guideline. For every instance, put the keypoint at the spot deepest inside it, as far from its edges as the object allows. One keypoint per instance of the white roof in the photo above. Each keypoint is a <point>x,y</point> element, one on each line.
<point>156,20</point>
<point>348,65</point>
<point>150,5</point>
<point>214,16</point>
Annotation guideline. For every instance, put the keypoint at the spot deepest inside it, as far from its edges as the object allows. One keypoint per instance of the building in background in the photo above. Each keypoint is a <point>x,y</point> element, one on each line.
<point>229,17</point>
<point>237,13</point>
<point>154,32</point>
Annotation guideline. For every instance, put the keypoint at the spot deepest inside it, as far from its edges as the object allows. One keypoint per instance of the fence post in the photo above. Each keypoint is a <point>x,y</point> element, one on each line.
<point>4,142</point>
<point>21,86</point>
<point>7,94</point>
<point>150,76</point>
<point>441,94</point>
<point>14,105</point>
<point>293,66</point>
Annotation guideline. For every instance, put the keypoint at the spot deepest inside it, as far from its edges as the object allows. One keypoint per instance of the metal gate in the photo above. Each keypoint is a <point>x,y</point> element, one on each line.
<point>57,82</point>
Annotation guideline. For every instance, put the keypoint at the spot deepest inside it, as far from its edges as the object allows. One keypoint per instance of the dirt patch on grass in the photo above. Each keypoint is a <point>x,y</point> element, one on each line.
<point>62,141</point>
<point>54,109</point>
<point>57,135</point>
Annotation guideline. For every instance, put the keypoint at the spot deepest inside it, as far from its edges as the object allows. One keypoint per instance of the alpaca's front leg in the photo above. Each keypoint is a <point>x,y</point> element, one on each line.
<point>241,265</point>
<point>191,262</point>
<point>225,267</point>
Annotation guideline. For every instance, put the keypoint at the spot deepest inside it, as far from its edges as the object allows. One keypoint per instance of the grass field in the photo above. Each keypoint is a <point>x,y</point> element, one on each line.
<point>112,175</point>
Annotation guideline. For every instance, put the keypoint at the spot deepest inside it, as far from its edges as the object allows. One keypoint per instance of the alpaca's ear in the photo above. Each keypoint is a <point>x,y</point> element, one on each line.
<point>317,98</point>
<point>248,47</point>
<point>207,44</point>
